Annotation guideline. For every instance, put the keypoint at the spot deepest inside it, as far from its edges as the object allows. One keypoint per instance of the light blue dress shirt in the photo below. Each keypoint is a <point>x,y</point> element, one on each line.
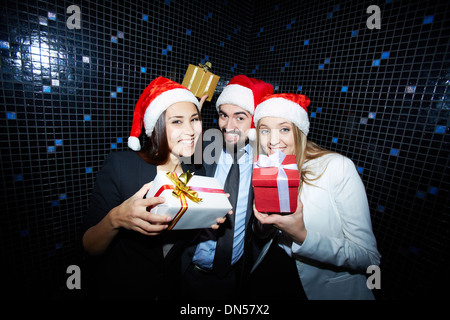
<point>204,254</point>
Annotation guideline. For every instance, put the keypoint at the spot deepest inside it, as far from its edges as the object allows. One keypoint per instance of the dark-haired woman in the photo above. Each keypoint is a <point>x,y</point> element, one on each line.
<point>136,259</point>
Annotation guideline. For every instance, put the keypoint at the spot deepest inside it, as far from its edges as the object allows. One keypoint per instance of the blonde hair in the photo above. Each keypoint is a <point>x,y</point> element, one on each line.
<point>305,151</point>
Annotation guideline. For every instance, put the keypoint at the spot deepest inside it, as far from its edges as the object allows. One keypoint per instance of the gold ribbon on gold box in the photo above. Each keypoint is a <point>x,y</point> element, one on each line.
<point>200,80</point>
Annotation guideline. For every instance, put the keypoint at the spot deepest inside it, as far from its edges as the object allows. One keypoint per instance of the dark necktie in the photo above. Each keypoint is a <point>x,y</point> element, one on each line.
<point>225,233</point>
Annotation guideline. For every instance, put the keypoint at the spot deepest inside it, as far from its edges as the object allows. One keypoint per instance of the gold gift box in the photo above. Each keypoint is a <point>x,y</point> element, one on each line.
<point>201,81</point>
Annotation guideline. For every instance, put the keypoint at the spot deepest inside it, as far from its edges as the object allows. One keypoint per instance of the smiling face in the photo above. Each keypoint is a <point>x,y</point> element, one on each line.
<point>276,134</point>
<point>183,127</point>
<point>234,122</point>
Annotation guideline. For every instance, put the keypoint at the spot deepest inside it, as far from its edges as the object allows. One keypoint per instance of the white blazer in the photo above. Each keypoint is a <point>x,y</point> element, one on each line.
<point>340,244</point>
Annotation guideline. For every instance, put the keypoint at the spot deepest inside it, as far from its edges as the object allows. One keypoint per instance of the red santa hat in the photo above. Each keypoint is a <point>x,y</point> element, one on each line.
<point>246,93</point>
<point>160,94</point>
<point>289,106</point>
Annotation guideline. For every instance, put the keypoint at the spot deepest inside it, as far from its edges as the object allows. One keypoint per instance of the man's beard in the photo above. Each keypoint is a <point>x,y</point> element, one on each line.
<point>234,147</point>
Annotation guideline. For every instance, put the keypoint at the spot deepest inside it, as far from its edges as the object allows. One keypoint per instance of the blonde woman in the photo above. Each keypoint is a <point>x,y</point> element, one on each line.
<point>330,234</point>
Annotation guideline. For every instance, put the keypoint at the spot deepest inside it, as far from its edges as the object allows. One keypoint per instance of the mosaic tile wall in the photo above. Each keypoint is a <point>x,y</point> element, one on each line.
<point>67,97</point>
<point>379,96</point>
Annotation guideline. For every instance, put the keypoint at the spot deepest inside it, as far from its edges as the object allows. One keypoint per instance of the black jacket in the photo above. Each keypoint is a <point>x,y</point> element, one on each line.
<point>134,265</point>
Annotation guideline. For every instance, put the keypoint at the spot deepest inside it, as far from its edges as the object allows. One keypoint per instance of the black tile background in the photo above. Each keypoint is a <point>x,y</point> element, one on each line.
<point>67,99</point>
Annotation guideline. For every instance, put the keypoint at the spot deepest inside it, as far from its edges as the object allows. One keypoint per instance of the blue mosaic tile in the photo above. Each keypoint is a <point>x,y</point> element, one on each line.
<point>410,89</point>
<point>344,89</point>
<point>11,116</point>
<point>306,42</point>
<point>334,140</point>
<point>4,45</point>
<point>394,152</point>
<point>385,55</point>
<point>299,88</point>
<point>428,19</point>
<point>188,32</point>
<point>51,16</point>
<point>89,170</point>
<point>376,63</point>
<point>440,129</point>
<point>420,194</point>
<point>145,17</point>
<point>433,190</point>
<point>43,21</point>
<point>87,117</point>
<point>143,69</point>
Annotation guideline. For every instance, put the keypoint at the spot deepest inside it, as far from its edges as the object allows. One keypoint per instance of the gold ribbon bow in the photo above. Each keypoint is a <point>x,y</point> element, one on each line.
<point>205,66</point>
<point>181,187</point>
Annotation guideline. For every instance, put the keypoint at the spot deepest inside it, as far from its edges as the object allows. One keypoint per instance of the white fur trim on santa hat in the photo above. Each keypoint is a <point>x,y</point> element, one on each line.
<point>237,95</point>
<point>283,108</point>
<point>251,134</point>
<point>162,102</point>
<point>134,144</point>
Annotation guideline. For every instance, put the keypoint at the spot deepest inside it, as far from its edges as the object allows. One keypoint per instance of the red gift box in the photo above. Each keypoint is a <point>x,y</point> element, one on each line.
<point>275,183</point>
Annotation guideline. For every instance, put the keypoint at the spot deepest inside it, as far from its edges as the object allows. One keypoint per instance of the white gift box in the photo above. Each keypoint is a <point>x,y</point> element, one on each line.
<point>185,213</point>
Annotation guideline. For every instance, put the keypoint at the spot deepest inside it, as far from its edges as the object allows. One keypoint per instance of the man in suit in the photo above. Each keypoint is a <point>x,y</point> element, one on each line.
<point>215,266</point>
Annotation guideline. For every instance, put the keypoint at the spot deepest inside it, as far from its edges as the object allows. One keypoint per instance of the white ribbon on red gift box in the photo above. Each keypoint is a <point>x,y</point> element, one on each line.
<point>275,160</point>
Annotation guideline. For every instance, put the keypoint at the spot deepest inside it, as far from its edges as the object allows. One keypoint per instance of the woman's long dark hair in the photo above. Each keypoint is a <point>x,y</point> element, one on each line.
<point>156,149</point>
